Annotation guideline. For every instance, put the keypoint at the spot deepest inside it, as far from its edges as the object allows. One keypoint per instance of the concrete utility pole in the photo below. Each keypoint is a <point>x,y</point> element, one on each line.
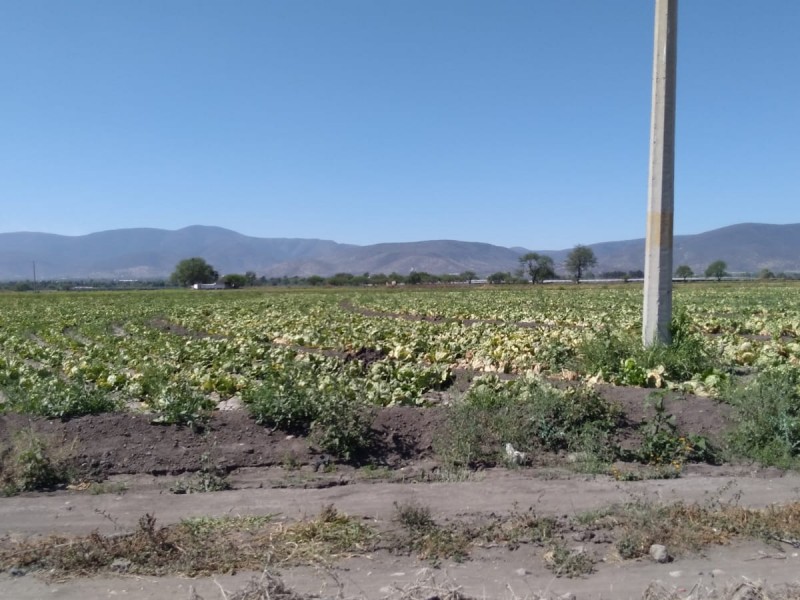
<point>657,312</point>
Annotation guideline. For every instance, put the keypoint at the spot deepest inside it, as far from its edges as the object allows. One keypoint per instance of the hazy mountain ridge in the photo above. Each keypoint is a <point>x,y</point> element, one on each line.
<point>153,253</point>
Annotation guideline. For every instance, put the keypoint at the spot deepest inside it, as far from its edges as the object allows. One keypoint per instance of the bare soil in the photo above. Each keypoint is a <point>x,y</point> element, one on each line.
<point>129,443</point>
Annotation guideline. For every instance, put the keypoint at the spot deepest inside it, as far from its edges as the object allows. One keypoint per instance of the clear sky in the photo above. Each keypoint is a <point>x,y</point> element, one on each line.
<point>513,122</point>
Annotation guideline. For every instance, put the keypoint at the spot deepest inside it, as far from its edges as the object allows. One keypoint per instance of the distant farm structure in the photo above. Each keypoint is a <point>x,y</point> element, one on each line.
<point>209,286</point>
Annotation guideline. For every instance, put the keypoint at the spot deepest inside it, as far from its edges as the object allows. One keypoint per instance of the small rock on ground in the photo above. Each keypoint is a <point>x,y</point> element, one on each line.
<point>121,565</point>
<point>659,553</point>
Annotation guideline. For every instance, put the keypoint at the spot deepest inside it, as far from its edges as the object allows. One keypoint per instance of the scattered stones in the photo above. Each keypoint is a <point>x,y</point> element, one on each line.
<point>659,553</point>
<point>583,536</point>
<point>603,537</point>
<point>514,456</point>
<point>746,591</point>
<point>232,403</point>
<point>121,565</point>
<point>322,462</point>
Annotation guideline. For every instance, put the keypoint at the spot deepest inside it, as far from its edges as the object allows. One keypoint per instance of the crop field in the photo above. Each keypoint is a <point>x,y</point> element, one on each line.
<point>213,391</point>
<point>226,343</point>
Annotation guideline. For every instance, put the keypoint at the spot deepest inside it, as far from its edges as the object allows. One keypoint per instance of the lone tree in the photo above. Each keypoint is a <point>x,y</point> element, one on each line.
<point>499,277</point>
<point>717,269</point>
<point>684,272</point>
<point>235,280</point>
<point>539,266</point>
<point>193,270</point>
<point>468,276</point>
<point>581,258</point>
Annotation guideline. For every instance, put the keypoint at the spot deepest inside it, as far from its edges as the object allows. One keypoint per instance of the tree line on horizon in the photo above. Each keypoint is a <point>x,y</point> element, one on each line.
<point>539,268</point>
<point>533,268</point>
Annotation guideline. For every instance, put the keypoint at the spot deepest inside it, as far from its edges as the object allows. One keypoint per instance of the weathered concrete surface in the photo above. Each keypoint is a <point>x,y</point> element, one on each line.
<point>657,311</point>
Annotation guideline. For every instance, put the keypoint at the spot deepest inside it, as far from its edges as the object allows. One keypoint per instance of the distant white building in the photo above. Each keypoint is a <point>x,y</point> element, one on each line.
<point>209,286</point>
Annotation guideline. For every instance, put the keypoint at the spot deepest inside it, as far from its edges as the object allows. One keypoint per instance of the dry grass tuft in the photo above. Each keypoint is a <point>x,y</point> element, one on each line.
<point>195,547</point>
<point>267,587</point>
<point>746,590</point>
<point>426,587</point>
<point>691,527</point>
<point>433,542</point>
<point>31,462</point>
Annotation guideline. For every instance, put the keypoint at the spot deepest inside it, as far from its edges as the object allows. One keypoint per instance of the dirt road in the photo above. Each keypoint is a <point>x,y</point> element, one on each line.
<point>490,572</point>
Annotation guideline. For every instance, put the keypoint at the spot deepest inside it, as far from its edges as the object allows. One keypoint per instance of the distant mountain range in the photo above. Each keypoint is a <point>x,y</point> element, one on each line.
<point>153,253</point>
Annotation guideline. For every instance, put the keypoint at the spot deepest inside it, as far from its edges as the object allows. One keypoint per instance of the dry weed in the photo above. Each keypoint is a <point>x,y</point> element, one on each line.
<point>267,587</point>
<point>194,547</point>
<point>690,527</point>
<point>746,590</point>
<point>426,587</point>
<point>32,462</point>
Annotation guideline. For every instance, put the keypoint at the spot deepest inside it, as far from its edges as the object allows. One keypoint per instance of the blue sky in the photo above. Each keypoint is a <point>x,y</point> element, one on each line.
<point>513,122</point>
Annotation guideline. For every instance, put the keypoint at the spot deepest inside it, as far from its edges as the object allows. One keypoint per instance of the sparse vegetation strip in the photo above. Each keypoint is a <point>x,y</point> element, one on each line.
<point>205,545</point>
<point>195,546</point>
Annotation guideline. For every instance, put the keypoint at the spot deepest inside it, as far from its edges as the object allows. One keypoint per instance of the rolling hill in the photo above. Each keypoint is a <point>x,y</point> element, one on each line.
<point>147,253</point>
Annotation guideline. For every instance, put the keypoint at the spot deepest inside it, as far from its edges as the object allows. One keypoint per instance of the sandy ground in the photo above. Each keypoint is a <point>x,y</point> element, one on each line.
<point>490,573</point>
